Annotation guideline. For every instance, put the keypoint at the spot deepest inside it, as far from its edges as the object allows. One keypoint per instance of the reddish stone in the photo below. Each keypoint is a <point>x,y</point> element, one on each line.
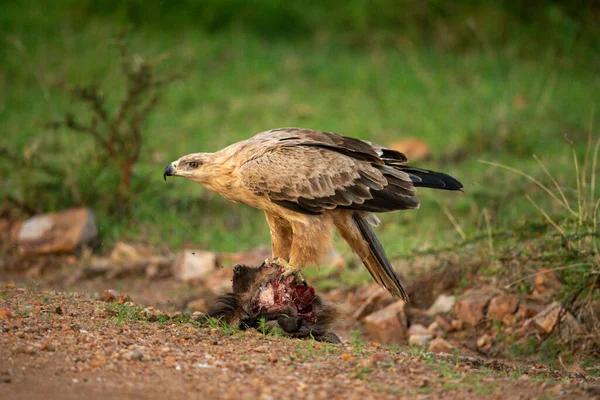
<point>548,319</point>
<point>503,305</point>
<point>470,308</point>
<point>389,324</point>
<point>439,345</point>
<point>127,252</point>
<point>485,342</point>
<point>444,324</point>
<point>60,232</point>
<point>442,304</point>
<point>528,310</point>
<point>378,298</point>
<point>419,339</point>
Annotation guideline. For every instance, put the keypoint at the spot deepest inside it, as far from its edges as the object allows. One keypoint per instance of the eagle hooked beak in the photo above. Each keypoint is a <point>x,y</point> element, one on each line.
<point>169,171</point>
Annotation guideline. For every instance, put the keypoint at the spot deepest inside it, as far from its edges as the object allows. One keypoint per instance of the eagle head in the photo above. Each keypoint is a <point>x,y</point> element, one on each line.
<point>188,166</point>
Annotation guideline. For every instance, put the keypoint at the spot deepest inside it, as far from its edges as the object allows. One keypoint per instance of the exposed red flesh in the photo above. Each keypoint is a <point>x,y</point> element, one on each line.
<point>287,292</point>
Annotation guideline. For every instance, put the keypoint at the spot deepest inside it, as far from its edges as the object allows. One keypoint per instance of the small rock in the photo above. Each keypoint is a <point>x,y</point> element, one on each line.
<point>98,361</point>
<point>61,232</point>
<point>377,299</point>
<point>47,346</point>
<point>439,345</point>
<point>135,354</point>
<point>414,148</point>
<point>197,315</point>
<point>456,324</point>
<point>484,342</point>
<point>5,313</point>
<point>419,339</point>
<point>434,328</point>
<point>527,310</point>
<point>152,271</point>
<point>378,359</point>
<point>109,295</point>
<point>503,305</point>
<point>364,292</point>
<point>444,324</point>
<point>194,264</point>
<point>30,350</point>
<point>441,305</point>
<point>261,349</point>
<point>389,324</point>
<point>510,319</point>
<point>546,283</point>
<point>124,252</point>
<point>417,329</point>
<point>470,308</point>
<point>547,319</point>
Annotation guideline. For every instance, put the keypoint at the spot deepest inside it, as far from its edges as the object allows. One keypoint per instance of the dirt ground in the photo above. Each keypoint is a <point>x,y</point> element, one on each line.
<point>57,345</point>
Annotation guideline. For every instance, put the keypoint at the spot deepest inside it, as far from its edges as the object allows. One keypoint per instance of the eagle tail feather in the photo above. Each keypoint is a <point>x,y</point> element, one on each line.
<point>377,263</point>
<point>431,179</point>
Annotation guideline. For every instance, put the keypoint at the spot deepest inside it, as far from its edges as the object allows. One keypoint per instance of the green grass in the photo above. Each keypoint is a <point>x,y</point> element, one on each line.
<point>124,313</point>
<point>222,326</point>
<point>236,85</point>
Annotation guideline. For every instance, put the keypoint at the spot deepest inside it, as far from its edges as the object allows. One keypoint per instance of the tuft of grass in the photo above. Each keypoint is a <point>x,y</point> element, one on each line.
<point>24,312</point>
<point>222,326</point>
<point>358,345</point>
<point>266,329</point>
<point>363,372</point>
<point>124,312</point>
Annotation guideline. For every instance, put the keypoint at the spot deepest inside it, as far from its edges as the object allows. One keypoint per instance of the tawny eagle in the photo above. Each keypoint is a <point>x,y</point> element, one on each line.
<point>308,182</point>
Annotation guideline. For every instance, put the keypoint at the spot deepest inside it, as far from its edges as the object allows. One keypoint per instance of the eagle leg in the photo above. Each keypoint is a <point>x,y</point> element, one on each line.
<point>288,270</point>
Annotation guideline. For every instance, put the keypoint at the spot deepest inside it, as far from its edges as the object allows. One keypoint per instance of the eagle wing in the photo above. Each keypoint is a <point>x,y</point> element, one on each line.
<point>310,172</point>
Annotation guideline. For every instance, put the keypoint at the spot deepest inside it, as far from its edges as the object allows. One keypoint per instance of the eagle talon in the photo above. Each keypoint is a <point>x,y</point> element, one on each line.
<point>288,270</point>
<point>297,276</point>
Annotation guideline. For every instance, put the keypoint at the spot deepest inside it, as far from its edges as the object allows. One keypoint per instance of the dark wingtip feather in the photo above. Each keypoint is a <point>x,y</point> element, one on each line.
<point>432,179</point>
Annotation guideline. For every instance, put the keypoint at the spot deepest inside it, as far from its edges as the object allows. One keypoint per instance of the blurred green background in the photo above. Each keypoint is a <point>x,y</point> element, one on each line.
<point>499,81</point>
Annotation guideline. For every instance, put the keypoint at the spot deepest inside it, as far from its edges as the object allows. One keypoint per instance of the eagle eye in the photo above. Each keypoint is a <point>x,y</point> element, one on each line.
<point>193,164</point>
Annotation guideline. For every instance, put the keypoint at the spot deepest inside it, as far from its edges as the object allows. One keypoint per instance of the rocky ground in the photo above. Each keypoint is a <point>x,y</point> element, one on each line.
<point>58,345</point>
<point>124,322</point>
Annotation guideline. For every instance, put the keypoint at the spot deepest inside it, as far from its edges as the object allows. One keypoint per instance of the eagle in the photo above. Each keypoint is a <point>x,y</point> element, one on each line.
<point>309,183</point>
